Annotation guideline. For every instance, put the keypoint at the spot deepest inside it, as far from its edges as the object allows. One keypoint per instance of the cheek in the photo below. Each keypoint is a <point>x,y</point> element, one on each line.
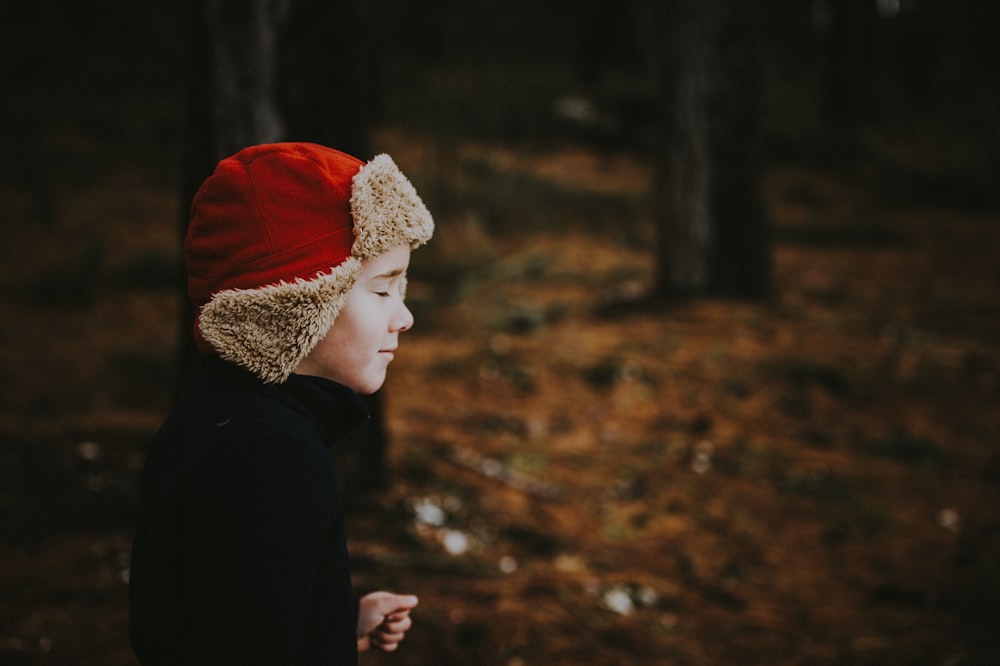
<point>368,319</point>
<point>354,332</point>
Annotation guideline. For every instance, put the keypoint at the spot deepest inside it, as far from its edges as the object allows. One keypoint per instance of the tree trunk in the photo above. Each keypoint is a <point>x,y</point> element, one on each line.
<point>712,235</point>
<point>328,84</point>
<point>280,70</point>
<point>851,103</point>
<point>327,89</point>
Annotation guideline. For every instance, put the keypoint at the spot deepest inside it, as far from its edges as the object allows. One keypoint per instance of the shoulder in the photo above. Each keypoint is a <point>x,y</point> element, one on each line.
<point>239,457</point>
<point>224,412</point>
<point>227,434</point>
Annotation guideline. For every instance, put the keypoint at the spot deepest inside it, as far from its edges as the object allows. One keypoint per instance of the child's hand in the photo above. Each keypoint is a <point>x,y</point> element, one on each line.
<point>383,619</point>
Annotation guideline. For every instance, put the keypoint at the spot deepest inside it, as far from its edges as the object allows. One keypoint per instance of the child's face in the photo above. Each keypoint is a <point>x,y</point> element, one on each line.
<point>359,346</point>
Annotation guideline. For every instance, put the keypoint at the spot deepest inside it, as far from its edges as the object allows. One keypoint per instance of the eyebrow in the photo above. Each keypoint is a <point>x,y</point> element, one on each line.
<point>391,274</point>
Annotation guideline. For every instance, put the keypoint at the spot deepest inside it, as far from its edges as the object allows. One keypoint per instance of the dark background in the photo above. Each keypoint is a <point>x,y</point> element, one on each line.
<point>847,513</point>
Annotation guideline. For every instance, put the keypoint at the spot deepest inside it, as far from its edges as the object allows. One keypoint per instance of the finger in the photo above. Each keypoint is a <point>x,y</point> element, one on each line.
<point>396,616</point>
<point>387,635</point>
<point>386,644</point>
<point>389,639</point>
<point>391,600</point>
<point>401,602</point>
<point>398,626</point>
<point>390,633</point>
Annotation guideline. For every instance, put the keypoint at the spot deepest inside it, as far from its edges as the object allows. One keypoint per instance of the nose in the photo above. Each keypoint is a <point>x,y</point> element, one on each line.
<point>402,320</point>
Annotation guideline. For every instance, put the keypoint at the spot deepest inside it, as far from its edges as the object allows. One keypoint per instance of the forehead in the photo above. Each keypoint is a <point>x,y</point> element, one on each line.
<point>391,263</point>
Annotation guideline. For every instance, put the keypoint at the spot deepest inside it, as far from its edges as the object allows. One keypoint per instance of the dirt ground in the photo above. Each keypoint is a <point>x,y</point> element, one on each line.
<point>574,478</point>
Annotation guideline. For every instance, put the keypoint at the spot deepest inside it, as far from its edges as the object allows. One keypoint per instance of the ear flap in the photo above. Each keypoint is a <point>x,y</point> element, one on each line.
<point>269,330</point>
<point>387,210</point>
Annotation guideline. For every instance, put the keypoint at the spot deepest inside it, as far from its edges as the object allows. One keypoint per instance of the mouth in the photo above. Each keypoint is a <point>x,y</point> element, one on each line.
<point>389,352</point>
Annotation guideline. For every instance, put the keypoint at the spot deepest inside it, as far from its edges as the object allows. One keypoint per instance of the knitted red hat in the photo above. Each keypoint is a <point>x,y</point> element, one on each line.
<point>275,242</point>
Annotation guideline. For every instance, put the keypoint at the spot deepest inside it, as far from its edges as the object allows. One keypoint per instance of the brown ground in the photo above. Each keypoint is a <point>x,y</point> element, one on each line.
<point>814,480</point>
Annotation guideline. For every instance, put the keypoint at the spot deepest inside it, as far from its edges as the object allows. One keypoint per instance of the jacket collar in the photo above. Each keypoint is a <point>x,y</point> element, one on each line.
<point>334,409</point>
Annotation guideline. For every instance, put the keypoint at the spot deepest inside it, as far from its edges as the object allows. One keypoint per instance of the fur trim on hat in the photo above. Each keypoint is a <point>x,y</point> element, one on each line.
<point>253,327</point>
<point>387,210</point>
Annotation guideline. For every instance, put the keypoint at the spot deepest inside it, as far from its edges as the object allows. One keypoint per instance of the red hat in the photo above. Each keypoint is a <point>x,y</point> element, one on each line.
<point>275,242</point>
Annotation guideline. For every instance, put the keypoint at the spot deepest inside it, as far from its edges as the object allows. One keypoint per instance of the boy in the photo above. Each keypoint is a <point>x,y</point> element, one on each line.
<point>296,257</point>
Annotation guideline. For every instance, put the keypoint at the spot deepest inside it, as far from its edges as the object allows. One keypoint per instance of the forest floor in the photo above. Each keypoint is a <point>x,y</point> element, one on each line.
<point>574,477</point>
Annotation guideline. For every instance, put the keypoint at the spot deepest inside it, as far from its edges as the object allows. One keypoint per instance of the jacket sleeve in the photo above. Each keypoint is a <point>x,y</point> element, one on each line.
<point>257,529</point>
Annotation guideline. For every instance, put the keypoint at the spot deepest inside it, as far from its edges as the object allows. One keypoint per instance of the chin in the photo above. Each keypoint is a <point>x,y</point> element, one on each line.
<point>367,388</point>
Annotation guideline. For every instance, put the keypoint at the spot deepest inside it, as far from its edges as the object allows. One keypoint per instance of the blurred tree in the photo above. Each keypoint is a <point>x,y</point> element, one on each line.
<point>712,233</point>
<point>279,70</point>
<point>851,65</point>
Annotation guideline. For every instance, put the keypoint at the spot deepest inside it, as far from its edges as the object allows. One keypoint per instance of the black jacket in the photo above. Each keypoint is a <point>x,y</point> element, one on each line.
<point>240,554</point>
